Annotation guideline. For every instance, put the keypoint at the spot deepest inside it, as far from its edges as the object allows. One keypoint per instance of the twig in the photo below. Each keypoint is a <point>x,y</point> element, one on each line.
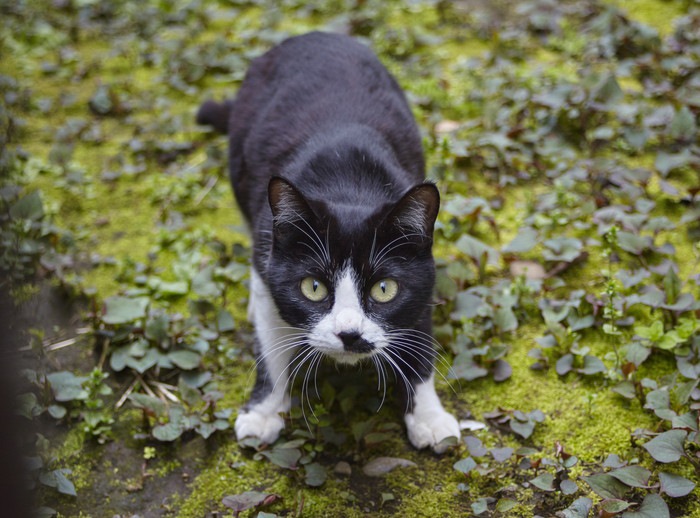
<point>145,386</point>
<point>126,394</point>
<point>203,193</point>
<point>163,388</point>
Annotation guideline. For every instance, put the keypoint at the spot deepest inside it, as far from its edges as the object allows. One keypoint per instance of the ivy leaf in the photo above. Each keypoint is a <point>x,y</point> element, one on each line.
<point>633,243</point>
<point>591,365</point>
<point>675,486</point>
<point>544,481</point>
<point>568,487</point>
<point>57,479</point>
<point>186,360</point>
<point>122,310</point>
<point>523,242</point>
<point>465,465</point>
<point>248,500</point>
<point>477,249</point>
<point>634,476</point>
<point>501,454</point>
<point>315,474</point>
<point>580,508</point>
<point>168,432</point>
<point>523,429</point>
<point>28,207</point>
<point>501,370</point>
<point>286,458</point>
<point>614,506</point>
<point>668,446</point>
<point>606,486</point>
<point>505,504</point>
<point>66,386</point>
<point>653,506</point>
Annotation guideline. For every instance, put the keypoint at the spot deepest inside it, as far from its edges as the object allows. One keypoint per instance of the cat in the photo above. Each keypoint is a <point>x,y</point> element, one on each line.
<point>327,167</point>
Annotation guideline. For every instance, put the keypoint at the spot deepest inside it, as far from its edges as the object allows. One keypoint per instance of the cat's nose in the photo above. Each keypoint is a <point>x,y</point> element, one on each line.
<point>353,342</point>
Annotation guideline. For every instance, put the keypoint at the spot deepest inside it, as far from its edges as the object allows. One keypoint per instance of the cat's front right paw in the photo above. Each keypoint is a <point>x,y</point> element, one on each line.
<point>266,427</point>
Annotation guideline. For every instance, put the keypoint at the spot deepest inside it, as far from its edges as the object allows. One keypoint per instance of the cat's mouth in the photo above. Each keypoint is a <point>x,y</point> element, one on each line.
<point>346,357</point>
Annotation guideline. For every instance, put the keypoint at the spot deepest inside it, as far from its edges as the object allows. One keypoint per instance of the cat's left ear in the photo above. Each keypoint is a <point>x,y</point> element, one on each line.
<point>416,211</point>
<point>288,205</point>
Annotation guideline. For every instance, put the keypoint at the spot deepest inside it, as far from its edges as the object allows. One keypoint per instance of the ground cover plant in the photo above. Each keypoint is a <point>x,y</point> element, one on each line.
<point>563,137</point>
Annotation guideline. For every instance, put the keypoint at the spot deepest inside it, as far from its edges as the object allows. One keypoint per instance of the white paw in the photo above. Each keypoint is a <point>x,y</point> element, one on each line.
<point>266,427</point>
<point>429,428</point>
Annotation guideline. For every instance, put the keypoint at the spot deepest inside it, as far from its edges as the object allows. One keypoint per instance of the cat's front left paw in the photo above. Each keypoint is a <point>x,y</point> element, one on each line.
<point>431,428</point>
<point>266,427</point>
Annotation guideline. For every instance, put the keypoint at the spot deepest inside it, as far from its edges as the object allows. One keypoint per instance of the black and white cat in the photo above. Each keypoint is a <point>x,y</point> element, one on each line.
<point>326,164</point>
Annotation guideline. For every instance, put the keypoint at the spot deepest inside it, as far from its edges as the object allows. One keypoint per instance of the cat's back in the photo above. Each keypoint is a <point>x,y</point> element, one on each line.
<point>309,84</point>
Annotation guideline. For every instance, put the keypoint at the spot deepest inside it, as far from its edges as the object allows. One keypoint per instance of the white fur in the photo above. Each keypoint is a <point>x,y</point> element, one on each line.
<point>346,316</point>
<point>429,423</point>
<point>262,419</point>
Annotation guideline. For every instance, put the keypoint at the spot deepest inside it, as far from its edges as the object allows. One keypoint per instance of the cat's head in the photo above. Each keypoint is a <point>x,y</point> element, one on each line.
<point>355,277</point>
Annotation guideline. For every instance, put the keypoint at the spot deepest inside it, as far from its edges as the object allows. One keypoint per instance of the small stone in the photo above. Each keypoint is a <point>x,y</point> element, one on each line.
<point>530,269</point>
<point>446,126</point>
<point>343,468</point>
<point>383,465</point>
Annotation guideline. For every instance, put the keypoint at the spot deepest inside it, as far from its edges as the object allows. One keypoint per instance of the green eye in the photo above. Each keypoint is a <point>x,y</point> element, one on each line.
<point>313,289</point>
<point>384,291</point>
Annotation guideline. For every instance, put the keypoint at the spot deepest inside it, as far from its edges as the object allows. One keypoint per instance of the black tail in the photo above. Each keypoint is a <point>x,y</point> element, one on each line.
<point>215,114</point>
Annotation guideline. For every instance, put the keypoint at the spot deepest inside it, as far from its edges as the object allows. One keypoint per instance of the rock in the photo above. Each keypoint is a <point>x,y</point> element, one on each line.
<point>383,465</point>
<point>343,468</point>
<point>530,269</point>
<point>446,126</point>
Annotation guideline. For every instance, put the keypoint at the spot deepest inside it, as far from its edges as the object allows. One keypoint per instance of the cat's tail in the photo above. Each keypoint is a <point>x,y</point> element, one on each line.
<point>215,114</point>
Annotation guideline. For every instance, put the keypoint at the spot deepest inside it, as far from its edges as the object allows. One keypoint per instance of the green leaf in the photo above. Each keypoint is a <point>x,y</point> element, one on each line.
<point>523,429</point>
<point>67,386</point>
<point>654,332</point>
<point>633,243</point>
<point>634,476</point>
<point>122,310</point>
<point>185,359</point>
<point>524,242</point>
<point>315,474</point>
<point>675,486</point>
<point>505,319</point>
<point>592,365</point>
<point>568,487</point>
<point>613,506</point>
<point>147,402</point>
<point>465,465</point>
<point>248,500</point>
<point>480,506</point>
<point>580,508</point>
<point>544,481</point>
<point>505,504</point>
<point>28,207</point>
<point>668,446</point>
<point>283,457</point>
<point>653,506</point>
<point>476,249</point>
<point>157,328</point>
<point>606,486</point>
<point>683,126</point>
<point>224,321</point>
<point>168,432</point>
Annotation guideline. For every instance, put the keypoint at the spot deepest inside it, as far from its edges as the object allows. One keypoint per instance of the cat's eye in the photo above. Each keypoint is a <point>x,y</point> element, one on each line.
<point>384,290</point>
<point>313,289</point>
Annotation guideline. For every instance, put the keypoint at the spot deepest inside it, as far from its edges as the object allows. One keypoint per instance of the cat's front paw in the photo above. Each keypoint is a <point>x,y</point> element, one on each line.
<point>266,427</point>
<point>431,428</point>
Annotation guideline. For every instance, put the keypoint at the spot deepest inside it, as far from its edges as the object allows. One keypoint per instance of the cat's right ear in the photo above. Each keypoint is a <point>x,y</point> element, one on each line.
<point>287,203</point>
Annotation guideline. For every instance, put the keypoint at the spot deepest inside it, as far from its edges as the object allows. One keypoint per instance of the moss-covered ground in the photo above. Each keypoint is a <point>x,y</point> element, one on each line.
<point>561,134</point>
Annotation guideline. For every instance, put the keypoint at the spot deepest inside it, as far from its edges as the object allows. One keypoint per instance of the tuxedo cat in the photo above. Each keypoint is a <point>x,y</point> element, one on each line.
<point>326,164</point>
